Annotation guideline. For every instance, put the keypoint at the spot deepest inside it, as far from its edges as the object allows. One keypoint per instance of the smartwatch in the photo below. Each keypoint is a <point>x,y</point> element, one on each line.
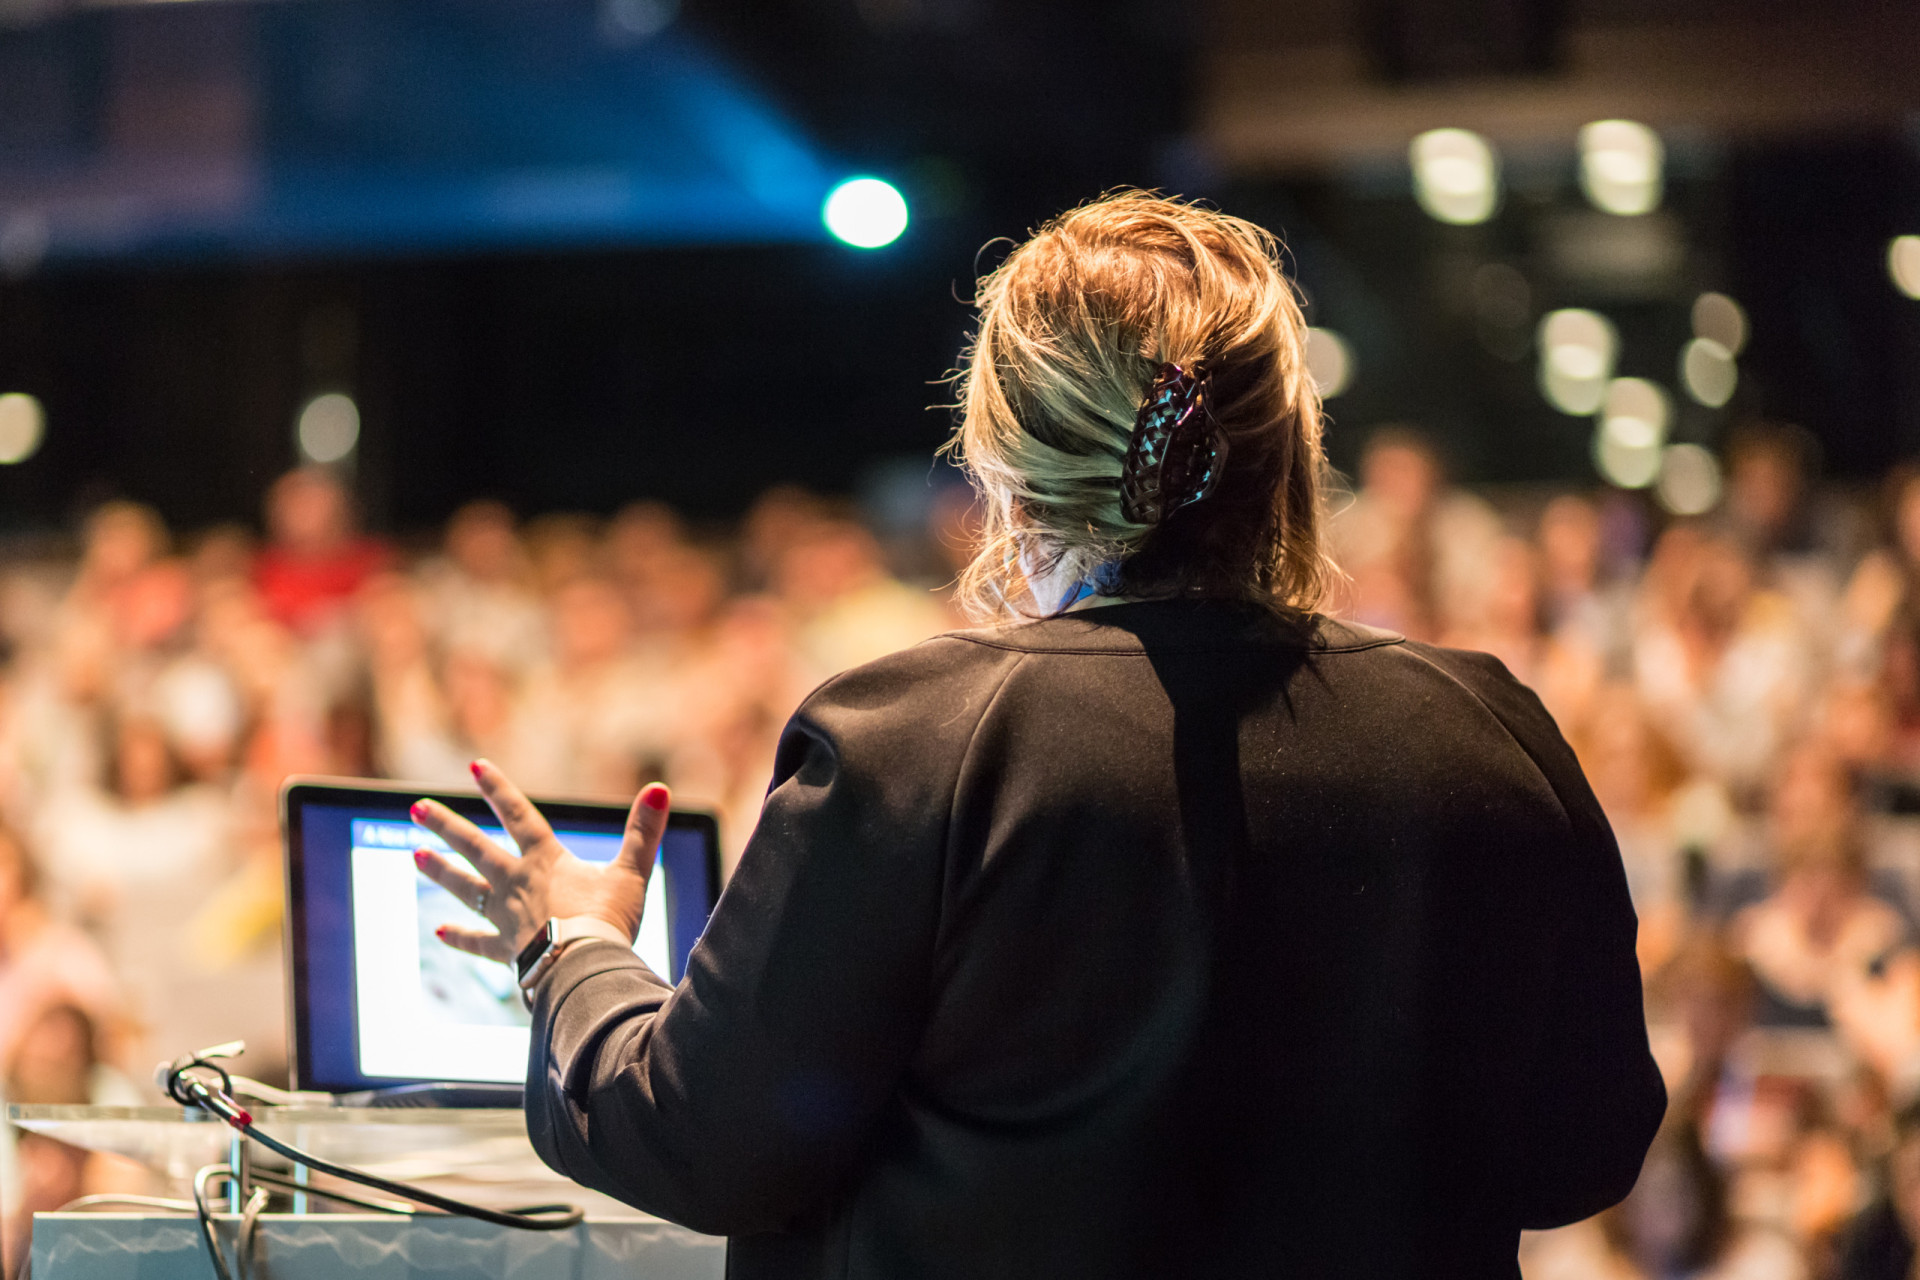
<point>550,939</point>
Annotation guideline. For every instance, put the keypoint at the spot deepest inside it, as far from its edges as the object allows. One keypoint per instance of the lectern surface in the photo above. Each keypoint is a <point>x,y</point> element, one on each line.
<point>397,1141</point>
<point>101,1246</point>
<point>480,1156</point>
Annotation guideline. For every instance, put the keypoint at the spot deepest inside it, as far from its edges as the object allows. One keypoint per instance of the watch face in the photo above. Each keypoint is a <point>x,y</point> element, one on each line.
<point>536,947</point>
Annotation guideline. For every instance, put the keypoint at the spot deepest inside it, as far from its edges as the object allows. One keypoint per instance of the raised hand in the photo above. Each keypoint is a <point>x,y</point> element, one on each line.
<point>518,893</point>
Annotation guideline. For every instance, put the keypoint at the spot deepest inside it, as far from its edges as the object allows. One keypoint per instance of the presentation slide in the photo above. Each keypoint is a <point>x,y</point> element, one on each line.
<point>427,1011</point>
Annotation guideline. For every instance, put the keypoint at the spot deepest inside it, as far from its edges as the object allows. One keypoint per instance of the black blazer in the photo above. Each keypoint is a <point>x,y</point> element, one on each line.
<point>1154,940</point>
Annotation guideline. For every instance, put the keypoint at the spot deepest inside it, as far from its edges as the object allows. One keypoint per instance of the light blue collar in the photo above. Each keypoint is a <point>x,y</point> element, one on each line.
<point>1101,582</point>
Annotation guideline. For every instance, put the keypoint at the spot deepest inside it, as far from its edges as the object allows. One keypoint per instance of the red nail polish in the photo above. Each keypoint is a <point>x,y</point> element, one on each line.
<point>440,932</point>
<point>419,809</point>
<point>475,767</point>
<point>420,859</point>
<point>654,797</point>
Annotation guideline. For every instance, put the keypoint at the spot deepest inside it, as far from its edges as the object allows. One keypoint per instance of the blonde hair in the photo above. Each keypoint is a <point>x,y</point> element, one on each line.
<point>1072,327</point>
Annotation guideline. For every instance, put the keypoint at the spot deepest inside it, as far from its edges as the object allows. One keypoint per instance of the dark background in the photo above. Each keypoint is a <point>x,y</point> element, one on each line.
<point>702,362</point>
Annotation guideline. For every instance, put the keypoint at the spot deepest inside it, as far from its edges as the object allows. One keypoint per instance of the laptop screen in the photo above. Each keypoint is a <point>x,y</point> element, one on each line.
<point>377,999</point>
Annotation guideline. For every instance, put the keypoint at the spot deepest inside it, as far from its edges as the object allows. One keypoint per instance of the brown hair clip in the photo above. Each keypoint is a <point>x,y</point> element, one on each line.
<point>1177,452</point>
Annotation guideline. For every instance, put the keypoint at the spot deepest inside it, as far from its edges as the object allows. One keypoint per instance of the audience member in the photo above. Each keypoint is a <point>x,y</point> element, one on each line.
<point>1720,661</point>
<point>847,607</point>
<point>58,1062</point>
<point>1821,931</point>
<point>44,960</point>
<point>1417,551</point>
<point>478,595</point>
<point>315,562</point>
<point>1635,774</point>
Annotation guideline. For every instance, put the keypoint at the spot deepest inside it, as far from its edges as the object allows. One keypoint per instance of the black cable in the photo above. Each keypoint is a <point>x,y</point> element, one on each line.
<point>283,1183</point>
<point>532,1218</point>
<point>190,1090</point>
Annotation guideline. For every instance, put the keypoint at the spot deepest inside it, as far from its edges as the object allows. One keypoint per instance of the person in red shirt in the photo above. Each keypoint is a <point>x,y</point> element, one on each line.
<point>316,560</point>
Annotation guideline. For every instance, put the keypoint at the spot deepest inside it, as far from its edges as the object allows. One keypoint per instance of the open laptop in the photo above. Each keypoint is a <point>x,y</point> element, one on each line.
<point>383,1012</point>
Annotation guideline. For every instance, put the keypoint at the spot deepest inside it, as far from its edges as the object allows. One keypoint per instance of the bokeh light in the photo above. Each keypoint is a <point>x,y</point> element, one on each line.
<point>1708,372</point>
<point>1621,165</point>
<point>1903,264</point>
<point>1633,428</point>
<point>23,425</point>
<point>865,213</point>
<point>1456,176</point>
<point>329,427</point>
<point>1625,465</point>
<point>1689,480</point>
<point>1637,412</point>
<point>1577,350</point>
<point>1719,317</point>
<point>1329,361</point>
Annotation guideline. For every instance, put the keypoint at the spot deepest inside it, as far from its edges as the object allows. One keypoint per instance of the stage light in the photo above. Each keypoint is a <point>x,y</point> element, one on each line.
<point>1620,166</point>
<point>1903,264</point>
<point>1577,349</point>
<point>865,212</point>
<point>1689,480</point>
<point>1633,427</point>
<point>1456,177</point>
<point>23,425</point>
<point>1708,372</point>
<point>1719,317</point>
<point>329,427</point>
<point>1329,362</point>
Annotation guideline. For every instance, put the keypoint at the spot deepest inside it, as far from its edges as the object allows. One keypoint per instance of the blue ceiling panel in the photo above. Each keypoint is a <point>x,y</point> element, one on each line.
<point>330,126</point>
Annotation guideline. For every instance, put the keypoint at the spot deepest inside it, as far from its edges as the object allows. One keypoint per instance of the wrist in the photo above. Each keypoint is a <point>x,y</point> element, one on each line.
<point>560,934</point>
<point>582,928</point>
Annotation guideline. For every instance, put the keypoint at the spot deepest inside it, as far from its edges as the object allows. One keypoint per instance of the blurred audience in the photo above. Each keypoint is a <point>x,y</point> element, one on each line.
<point>152,703</point>
<point>1742,687</point>
<point>1416,551</point>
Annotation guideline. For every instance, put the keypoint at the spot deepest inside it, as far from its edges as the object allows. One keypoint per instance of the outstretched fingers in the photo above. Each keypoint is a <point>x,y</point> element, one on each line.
<point>646,824</point>
<point>475,942</point>
<point>488,858</point>
<point>517,814</point>
<point>469,888</point>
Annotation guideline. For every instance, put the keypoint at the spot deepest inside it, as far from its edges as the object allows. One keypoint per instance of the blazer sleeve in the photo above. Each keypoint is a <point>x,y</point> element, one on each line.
<point>746,1097</point>
<point>1595,1099</point>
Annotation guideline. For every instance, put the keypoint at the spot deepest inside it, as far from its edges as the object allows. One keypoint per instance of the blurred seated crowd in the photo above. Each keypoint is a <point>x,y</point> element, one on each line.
<point>156,691</point>
<point>1742,687</point>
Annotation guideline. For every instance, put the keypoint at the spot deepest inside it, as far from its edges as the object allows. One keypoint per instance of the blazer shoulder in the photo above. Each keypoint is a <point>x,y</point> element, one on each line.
<point>1488,679</point>
<point>1520,711</point>
<point>936,672</point>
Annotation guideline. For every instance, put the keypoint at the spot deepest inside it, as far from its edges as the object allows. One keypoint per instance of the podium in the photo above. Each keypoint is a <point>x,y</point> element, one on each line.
<point>481,1156</point>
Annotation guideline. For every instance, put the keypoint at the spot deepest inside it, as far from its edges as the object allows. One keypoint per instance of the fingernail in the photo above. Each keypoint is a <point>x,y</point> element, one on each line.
<point>440,932</point>
<point>654,797</point>
<point>476,766</point>
<point>419,809</point>
<point>420,859</point>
